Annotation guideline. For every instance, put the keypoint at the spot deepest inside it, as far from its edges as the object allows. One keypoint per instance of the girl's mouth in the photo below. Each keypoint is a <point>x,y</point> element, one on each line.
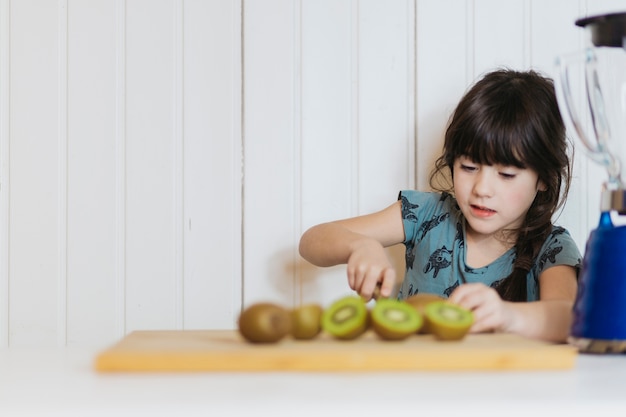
<point>480,211</point>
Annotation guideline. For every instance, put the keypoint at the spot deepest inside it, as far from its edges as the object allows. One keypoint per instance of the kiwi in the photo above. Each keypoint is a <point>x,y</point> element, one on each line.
<point>448,321</point>
<point>306,321</point>
<point>394,319</point>
<point>419,301</point>
<point>346,318</point>
<point>264,323</point>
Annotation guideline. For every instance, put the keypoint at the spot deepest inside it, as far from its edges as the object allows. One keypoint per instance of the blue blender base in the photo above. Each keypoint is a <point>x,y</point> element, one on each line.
<point>599,324</point>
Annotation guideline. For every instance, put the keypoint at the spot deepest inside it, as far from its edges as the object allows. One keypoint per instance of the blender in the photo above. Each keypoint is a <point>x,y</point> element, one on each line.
<point>599,324</point>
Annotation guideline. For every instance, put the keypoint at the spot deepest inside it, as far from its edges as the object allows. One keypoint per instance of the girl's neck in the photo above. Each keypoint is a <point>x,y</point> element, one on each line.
<point>482,250</point>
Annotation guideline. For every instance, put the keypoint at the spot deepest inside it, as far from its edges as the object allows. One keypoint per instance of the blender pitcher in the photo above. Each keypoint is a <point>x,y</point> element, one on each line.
<point>599,324</point>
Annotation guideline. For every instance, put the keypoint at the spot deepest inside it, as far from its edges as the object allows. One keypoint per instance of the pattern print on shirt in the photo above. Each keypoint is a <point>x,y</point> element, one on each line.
<point>459,234</point>
<point>439,259</point>
<point>412,291</point>
<point>410,255</point>
<point>449,290</point>
<point>556,231</point>
<point>431,224</point>
<point>550,255</point>
<point>407,210</point>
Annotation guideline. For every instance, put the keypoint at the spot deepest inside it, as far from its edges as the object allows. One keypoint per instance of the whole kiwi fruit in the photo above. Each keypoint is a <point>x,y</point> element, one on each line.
<point>419,301</point>
<point>264,322</point>
<point>448,321</point>
<point>393,319</point>
<point>346,318</point>
<point>306,321</point>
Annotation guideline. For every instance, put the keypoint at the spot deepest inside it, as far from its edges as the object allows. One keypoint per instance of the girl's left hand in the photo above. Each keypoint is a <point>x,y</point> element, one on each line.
<point>491,313</point>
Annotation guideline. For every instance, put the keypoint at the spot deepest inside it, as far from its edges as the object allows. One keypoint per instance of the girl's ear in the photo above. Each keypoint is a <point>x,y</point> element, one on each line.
<point>541,186</point>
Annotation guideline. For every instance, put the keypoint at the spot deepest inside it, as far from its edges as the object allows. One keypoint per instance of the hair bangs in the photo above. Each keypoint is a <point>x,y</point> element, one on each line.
<point>499,135</point>
<point>495,147</point>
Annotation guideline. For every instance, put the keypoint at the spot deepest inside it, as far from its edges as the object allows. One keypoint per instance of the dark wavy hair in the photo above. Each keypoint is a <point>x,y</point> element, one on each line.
<point>512,118</point>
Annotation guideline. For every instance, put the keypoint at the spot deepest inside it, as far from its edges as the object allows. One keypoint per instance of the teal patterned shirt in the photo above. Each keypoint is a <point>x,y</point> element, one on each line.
<point>434,230</point>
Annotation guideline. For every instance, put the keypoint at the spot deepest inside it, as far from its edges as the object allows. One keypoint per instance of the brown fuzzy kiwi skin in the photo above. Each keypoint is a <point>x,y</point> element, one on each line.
<point>264,322</point>
<point>306,321</point>
<point>419,301</point>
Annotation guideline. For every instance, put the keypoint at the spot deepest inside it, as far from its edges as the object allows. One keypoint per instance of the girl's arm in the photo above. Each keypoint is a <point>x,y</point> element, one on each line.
<point>548,319</point>
<point>358,242</point>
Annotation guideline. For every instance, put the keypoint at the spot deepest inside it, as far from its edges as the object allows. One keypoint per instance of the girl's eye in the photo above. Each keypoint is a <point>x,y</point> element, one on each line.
<point>468,168</point>
<point>507,175</point>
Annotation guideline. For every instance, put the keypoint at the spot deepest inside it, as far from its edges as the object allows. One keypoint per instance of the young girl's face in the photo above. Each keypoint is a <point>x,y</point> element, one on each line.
<point>493,197</point>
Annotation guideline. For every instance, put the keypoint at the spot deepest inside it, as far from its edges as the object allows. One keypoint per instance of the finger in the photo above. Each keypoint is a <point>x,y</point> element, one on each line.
<point>350,271</point>
<point>388,282</point>
<point>368,289</point>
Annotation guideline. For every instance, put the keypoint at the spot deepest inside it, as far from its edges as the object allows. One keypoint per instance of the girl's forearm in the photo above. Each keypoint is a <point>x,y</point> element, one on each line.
<point>548,320</point>
<point>328,244</point>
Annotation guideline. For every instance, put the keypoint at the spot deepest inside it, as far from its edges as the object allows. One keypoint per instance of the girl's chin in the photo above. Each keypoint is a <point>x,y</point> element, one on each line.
<point>478,226</point>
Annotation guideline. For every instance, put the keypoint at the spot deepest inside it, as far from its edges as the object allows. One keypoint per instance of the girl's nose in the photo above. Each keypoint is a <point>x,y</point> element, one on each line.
<point>483,186</point>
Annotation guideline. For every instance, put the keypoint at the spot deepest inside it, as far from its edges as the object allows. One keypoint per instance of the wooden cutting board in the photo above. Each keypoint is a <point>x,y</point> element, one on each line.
<point>219,351</point>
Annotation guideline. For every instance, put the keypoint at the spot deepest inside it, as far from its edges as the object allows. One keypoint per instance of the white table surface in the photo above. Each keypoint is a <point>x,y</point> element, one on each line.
<point>62,382</point>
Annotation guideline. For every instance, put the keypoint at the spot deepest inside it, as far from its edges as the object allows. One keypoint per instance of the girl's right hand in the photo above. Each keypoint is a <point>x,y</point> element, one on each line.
<point>368,266</point>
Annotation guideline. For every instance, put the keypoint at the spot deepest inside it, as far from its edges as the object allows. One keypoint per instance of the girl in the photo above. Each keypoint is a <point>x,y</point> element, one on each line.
<point>485,238</point>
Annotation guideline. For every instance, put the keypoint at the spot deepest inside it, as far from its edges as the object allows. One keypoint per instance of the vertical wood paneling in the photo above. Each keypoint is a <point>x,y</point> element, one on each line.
<point>595,7</point>
<point>269,135</point>
<point>62,220</point>
<point>120,168</point>
<point>499,38</point>
<point>212,163</point>
<point>33,205</point>
<point>386,154</point>
<point>329,129</point>
<point>178,155</point>
<point>91,172</point>
<point>386,111</point>
<point>5,30</point>
<point>442,68</point>
<point>150,183</point>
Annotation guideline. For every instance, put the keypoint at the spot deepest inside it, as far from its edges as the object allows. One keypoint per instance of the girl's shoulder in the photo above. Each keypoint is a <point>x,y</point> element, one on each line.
<point>427,201</point>
<point>423,211</point>
<point>559,248</point>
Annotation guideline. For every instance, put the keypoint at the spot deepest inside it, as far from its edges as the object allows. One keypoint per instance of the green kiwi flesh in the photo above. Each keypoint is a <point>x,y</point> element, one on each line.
<point>448,321</point>
<point>306,321</point>
<point>394,319</point>
<point>346,318</point>
<point>264,323</point>
<point>419,301</point>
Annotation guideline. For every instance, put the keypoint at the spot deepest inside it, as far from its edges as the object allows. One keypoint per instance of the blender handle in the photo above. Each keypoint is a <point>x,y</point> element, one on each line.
<point>597,150</point>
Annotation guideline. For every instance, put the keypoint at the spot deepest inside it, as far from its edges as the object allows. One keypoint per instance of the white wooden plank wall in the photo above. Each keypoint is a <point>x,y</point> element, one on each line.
<point>159,160</point>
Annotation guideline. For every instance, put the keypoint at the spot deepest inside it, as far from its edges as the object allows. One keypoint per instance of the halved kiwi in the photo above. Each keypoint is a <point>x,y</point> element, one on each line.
<point>419,301</point>
<point>264,323</point>
<point>394,319</point>
<point>448,321</point>
<point>306,321</point>
<point>346,318</point>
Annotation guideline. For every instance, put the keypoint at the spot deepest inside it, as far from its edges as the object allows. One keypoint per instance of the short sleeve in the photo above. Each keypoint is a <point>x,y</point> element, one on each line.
<point>559,249</point>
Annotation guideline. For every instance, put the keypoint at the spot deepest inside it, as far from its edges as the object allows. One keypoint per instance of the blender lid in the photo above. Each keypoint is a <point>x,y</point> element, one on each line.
<point>607,29</point>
